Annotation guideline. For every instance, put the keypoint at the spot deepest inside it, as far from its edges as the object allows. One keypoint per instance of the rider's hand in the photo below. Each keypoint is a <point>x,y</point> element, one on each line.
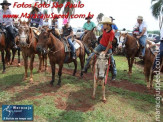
<point>104,52</point>
<point>138,37</point>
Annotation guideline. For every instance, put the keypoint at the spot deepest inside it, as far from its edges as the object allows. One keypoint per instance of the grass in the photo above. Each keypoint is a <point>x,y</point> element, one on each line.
<point>72,101</point>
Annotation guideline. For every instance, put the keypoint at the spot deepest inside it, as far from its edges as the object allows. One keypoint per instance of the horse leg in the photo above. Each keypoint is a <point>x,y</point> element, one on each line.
<point>132,62</point>
<point>13,56</point>
<point>147,74</point>
<point>94,89</point>
<point>19,57</point>
<point>53,73</point>
<point>40,63</point>
<point>82,60</point>
<point>60,74</point>
<point>31,67</point>
<point>103,92</point>
<point>25,66</point>
<point>151,81</point>
<point>45,62</point>
<point>75,63</point>
<point>129,65</point>
<point>3,61</point>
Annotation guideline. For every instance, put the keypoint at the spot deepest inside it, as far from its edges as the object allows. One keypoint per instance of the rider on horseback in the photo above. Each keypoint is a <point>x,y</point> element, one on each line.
<point>88,26</point>
<point>7,23</point>
<point>67,33</point>
<point>105,45</point>
<point>142,36</point>
<point>35,20</point>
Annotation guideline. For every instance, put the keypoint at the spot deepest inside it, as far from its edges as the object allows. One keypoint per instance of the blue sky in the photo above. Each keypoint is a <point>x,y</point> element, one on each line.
<point>124,11</point>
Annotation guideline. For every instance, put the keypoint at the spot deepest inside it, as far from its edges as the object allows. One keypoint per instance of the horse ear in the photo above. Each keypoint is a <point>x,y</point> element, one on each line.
<point>50,30</point>
<point>126,33</point>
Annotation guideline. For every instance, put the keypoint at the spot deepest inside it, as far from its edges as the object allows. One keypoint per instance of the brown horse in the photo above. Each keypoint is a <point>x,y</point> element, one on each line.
<point>28,42</point>
<point>89,40</point>
<point>148,64</point>
<point>57,53</point>
<point>2,49</point>
<point>131,48</point>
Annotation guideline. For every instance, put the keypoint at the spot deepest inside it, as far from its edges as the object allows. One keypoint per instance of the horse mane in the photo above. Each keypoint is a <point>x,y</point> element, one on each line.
<point>89,34</point>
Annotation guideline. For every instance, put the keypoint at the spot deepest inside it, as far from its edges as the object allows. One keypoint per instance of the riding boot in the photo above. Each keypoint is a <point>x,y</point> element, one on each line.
<point>74,55</point>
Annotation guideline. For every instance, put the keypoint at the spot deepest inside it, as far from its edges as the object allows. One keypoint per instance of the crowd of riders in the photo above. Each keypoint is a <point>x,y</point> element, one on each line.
<point>108,29</point>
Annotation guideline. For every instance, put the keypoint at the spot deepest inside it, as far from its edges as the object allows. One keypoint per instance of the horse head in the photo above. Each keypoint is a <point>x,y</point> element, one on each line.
<point>101,65</point>
<point>24,31</point>
<point>123,37</point>
<point>90,38</point>
<point>44,38</point>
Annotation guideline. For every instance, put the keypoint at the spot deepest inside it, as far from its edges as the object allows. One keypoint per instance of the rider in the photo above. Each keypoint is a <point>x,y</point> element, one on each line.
<point>142,36</point>
<point>67,33</point>
<point>35,20</point>
<point>55,22</point>
<point>88,26</point>
<point>7,22</point>
<point>105,45</point>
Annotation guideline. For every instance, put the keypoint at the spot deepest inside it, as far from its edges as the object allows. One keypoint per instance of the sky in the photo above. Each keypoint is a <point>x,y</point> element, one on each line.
<point>124,11</point>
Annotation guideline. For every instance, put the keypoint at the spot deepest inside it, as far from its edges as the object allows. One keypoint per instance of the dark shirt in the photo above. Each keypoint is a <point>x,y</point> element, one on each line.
<point>67,31</point>
<point>161,45</point>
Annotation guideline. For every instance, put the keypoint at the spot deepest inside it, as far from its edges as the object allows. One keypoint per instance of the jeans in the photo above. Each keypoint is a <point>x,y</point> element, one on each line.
<point>11,32</point>
<point>99,49</point>
<point>71,44</point>
<point>142,42</point>
<point>82,36</point>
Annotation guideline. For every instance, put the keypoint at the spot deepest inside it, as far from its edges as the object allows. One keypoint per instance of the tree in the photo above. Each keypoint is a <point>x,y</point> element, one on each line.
<point>157,10</point>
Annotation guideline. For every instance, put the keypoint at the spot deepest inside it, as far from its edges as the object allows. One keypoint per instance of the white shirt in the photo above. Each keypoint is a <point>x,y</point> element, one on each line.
<point>141,27</point>
<point>161,34</point>
<point>45,23</point>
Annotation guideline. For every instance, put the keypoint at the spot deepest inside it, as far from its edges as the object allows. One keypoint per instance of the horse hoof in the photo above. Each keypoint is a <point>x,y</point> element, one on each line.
<point>19,64</point>
<point>51,83</point>
<point>38,71</point>
<point>25,78</point>
<point>31,80</point>
<point>93,97</point>
<point>58,84</point>
<point>104,100</point>
<point>3,72</point>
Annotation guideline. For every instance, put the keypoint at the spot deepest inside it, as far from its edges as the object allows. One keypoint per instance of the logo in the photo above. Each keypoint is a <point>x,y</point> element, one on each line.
<point>17,112</point>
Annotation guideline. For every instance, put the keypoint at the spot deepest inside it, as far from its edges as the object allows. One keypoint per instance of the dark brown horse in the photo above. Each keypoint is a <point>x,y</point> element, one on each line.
<point>89,40</point>
<point>131,48</point>
<point>28,42</point>
<point>148,64</point>
<point>2,49</point>
<point>57,53</point>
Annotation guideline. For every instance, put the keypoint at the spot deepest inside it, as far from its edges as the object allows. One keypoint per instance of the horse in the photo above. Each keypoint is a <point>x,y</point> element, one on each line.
<point>28,41</point>
<point>8,59</point>
<point>2,49</point>
<point>55,48</point>
<point>89,40</point>
<point>131,48</point>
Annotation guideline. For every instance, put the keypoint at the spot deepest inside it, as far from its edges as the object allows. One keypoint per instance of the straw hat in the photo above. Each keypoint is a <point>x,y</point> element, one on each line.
<point>5,2</point>
<point>107,20</point>
<point>140,18</point>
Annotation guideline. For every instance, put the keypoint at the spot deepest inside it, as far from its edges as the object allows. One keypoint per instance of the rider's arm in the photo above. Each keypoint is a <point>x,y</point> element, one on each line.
<point>8,21</point>
<point>144,30</point>
<point>111,38</point>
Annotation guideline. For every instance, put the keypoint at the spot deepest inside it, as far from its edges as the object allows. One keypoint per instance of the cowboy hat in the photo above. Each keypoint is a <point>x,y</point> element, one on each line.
<point>112,18</point>
<point>107,20</point>
<point>5,2</point>
<point>88,18</point>
<point>140,18</point>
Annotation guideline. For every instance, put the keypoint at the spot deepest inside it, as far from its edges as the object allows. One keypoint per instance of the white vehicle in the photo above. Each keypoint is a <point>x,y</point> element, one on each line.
<point>151,37</point>
<point>78,32</point>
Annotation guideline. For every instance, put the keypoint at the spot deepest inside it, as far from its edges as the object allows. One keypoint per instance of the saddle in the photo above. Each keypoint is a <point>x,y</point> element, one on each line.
<point>67,45</point>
